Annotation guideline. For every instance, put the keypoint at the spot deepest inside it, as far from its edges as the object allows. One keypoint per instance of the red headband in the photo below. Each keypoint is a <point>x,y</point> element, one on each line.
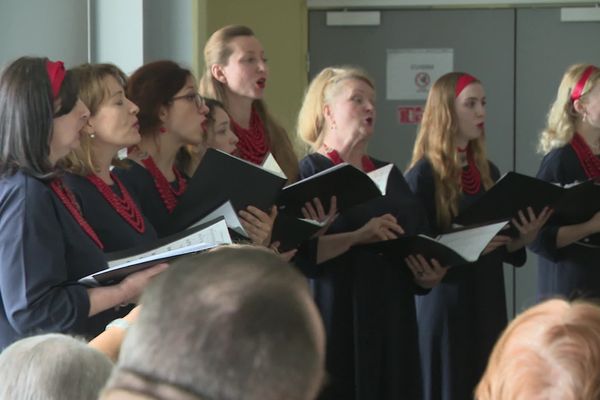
<point>56,74</point>
<point>463,81</point>
<point>578,89</point>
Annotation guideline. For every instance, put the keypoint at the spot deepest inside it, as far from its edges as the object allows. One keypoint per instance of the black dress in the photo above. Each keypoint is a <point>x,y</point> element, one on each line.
<point>367,302</point>
<point>114,232</point>
<point>140,184</point>
<point>572,271</point>
<point>43,252</point>
<point>462,317</point>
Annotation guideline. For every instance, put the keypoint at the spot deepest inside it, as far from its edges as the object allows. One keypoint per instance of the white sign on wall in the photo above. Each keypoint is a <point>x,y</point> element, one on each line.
<point>411,72</point>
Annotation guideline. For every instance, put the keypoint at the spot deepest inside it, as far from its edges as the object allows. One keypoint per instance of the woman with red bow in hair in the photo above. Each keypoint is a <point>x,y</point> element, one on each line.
<point>46,244</point>
<point>569,253</point>
<point>460,319</point>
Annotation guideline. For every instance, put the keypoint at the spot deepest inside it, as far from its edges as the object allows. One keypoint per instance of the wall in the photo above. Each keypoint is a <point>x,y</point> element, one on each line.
<point>281,26</point>
<point>117,33</point>
<point>56,29</point>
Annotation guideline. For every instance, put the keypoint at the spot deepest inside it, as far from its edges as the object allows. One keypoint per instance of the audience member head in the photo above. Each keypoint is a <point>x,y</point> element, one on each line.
<point>40,116</point>
<point>233,323</point>
<point>339,106</point>
<point>113,122</point>
<point>52,367</point>
<point>169,103</point>
<point>551,351</point>
<point>577,97</point>
<point>452,123</point>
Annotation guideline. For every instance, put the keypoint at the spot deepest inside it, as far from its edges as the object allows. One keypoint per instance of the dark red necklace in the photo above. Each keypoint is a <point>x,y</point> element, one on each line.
<point>334,156</point>
<point>124,205</point>
<point>587,159</point>
<point>252,144</point>
<point>166,191</point>
<point>69,201</point>
<point>470,178</point>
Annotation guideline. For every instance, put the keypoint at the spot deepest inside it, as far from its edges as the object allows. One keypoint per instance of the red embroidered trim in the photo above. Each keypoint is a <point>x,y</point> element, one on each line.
<point>587,159</point>
<point>68,199</point>
<point>124,205</point>
<point>252,144</point>
<point>334,156</point>
<point>166,191</point>
<point>470,178</point>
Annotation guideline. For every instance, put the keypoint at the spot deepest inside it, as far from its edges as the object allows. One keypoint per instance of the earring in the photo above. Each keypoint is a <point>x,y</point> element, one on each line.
<point>162,129</point>
<point>92,135</point>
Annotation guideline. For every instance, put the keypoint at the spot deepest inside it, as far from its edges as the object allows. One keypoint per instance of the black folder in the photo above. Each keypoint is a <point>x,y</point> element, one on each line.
<point>290,231</point>
<point>446,252</point>
<point>514,192</point>
<point>221,177</point>
<point>350,185</point>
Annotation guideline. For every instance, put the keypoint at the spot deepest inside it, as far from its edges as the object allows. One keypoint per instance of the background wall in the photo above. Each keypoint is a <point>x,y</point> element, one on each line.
<point>56,29</point>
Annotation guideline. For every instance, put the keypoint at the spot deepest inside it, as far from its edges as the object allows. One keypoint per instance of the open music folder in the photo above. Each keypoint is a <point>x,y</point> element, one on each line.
<point>513,192</point>
<point>350,185</point>
<point>199,238</point>
<point>449,249</point>
<point>221,177</point>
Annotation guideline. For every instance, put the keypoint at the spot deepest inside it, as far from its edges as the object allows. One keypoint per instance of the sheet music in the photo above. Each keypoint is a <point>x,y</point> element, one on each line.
<point>211,236</point>
<point>380,177</point>
<point>315,222</point>
<point>231,218</point>
<point>471,242</point>
<point>270,164</point>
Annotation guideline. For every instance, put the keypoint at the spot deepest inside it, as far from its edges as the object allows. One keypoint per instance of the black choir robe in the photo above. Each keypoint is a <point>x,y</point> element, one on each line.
<point>572,271</point>
<point>43,252</point>
<point>461,318</point>
<point>367,302</point>
<point>114,232</point>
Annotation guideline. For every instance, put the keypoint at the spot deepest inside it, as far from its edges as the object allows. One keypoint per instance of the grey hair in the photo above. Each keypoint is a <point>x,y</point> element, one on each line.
<point>52,367</point>
<point>234,323</point>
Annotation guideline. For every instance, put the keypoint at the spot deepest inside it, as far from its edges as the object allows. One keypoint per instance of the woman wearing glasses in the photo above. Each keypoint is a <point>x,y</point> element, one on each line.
<point>171,115</point>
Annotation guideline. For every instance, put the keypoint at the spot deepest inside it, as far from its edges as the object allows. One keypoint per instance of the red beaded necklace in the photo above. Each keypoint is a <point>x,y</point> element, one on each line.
<point>252,144</point>
<point>470,178</point>
<point>587,159</point>
<point>69,201</point>
<point>124,205</point>
<point>166,191</point>
<point>334,156</point>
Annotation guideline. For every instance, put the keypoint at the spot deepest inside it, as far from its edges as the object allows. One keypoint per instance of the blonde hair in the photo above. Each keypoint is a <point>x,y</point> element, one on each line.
<point>436,141</point>
<point>92,91</point>
<point>552,348</point>
<point>562,117</point>
<point>322,89</point>
<point>217,52</point>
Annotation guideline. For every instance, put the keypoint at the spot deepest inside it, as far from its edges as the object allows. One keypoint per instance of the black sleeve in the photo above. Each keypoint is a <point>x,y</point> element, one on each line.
<point>34,276</point>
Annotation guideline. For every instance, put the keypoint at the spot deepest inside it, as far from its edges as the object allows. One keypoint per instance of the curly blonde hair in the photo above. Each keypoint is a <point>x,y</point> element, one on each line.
<point>562,117</point>
<point>436,141</point>
<point>323,87</point>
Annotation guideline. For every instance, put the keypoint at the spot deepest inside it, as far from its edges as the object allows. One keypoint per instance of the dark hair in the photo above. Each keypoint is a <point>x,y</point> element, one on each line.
<point>237,323</point>
<point>153,85</point>
<point>212,105</point>
<point>26,116</point>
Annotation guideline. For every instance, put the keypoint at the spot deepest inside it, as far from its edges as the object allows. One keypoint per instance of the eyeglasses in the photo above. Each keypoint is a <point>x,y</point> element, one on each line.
<point>195,97</point>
